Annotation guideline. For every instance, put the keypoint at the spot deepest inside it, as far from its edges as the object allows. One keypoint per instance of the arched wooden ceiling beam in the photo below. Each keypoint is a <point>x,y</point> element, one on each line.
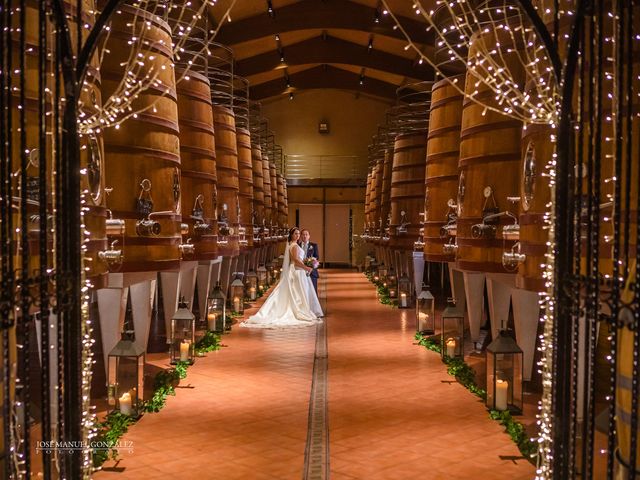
<point>313,14</point>
<point>323,76</point>
<point>334,50</point>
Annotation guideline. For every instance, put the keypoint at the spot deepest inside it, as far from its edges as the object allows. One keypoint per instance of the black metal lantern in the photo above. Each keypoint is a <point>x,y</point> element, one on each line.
<point>216,310</point>
<point>373,269</point>
<point>236,297</point>
<point>452,331</point>
<point>382,272</point>
<point>183,335</point>
<point>126,376</point>
<point>251,285</point>
<point>504,374</point>
<point>392,283</point>
<point>270,273</point>
<point>404,292</point>
<point>425,312</point>
<point>262,278</point>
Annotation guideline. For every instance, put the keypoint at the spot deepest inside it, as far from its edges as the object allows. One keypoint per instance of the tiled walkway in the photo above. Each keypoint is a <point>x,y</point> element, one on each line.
<point>393,413</point>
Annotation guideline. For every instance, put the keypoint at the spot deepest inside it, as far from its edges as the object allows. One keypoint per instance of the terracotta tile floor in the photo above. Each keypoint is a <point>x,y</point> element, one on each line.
<point>390,414</point>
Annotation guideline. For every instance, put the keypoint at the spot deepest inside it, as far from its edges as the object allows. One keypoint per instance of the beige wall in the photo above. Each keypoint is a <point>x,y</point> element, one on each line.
<point>352,122</point>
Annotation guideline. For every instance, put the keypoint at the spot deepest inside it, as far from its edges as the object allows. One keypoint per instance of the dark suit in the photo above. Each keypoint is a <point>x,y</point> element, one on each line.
<point>312,251</point>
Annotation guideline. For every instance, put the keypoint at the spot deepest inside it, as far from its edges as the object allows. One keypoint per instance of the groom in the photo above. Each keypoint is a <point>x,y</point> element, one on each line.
<point>310,249</point>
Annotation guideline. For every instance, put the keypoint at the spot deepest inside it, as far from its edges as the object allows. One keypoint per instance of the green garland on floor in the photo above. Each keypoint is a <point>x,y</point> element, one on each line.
<point>464,374</point>
<point>165,382</point>
<point>383,292</point>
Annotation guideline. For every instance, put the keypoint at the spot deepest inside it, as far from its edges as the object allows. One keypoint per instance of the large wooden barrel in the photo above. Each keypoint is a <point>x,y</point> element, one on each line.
<point>385,194</point>
<point>227,175</point>
<point>537,150</point>
<point>275,200</point>
<point>198,157</point>
<point>258,184</point>
<point>489,165</point>
<point>443,152</point>
<point>286,204</point>
<point>245,184</point>
<point>282,207</point>
<point>143,155</point>
<point>367,202</point>
<point>377,204</point>
<point>407,189</point>
<point>268,200</point>
<point>374,209</point>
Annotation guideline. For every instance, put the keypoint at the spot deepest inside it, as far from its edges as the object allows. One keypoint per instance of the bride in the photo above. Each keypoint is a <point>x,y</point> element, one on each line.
<point>293,303</point>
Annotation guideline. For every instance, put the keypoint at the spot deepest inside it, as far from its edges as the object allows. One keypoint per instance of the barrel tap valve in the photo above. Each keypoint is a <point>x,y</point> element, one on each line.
<point>511,260</point>
<point>187,249</point>
<point>112,257</point>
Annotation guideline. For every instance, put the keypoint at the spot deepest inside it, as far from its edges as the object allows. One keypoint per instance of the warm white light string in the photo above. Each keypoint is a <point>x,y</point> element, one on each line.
<point>140,74</point>
<point>537,103</point>
<point>489,65</point>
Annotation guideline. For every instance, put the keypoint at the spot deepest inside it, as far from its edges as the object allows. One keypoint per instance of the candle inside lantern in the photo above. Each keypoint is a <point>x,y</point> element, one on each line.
<point>451,347</point>
<point>125,403</point>
<point>211,320</point>
<point>236,304</point>
<point>403,299</point>
<point>502,387</point>
<point>184,351</point>
<point>422,319</point>
<point>252,293</point>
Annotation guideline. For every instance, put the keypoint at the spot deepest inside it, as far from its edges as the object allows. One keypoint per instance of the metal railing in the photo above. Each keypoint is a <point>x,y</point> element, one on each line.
<point>325,167</point>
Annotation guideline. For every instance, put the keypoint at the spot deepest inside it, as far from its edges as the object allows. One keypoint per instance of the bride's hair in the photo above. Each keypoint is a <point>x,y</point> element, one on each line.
<point>291,232</point>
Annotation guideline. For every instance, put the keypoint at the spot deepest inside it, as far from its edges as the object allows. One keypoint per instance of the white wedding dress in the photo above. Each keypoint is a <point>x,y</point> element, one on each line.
<point>293,303</point>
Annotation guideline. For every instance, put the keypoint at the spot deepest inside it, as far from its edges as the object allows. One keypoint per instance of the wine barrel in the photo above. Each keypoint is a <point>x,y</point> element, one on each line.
<point>245,184</point>
<point>143,155</point>
<point>378,190</point>
<point>275,200</point>
<point>443,152</point>
<point>268,200</point>
<point>258,184</point>
<point>535,194</point>
<point>198,157</point>
<point>407,189</point>
<point>385,194</point>
<point>282,207</point>
<point>227,175</point>
<point>367,203</point>
<point>286,203</point>
<point>373,194</point>
<point>489,165</point>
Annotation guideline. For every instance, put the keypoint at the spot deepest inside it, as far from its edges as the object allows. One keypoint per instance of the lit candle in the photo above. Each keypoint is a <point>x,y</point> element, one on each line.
<point>211,320</point>
<point>125,403</point>
<point>403,299</point>
<point>502,387</point>
<point>236,304</point>
<point>422,319</point>
<point>252,293</point>
<point>451,347</point>
<point>184,351</point>
<point>376,278</point>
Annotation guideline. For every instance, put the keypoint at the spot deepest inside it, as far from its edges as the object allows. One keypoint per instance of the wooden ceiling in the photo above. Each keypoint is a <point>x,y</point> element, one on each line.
<point>308,44</point>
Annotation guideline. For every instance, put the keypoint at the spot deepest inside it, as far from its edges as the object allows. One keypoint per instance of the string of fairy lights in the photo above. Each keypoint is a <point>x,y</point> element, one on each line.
<point>502,68</point>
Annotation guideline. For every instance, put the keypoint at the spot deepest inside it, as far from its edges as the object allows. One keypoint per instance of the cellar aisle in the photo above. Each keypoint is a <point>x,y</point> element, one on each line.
<point>392,412</point>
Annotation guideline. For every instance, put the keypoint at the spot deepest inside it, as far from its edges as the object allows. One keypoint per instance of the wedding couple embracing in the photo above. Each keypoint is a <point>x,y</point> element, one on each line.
<point>294,301</point>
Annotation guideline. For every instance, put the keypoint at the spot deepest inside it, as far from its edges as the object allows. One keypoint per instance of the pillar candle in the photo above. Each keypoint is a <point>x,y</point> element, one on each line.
<point>252,293</point>
<point>125,403</point>
<point>211,320</point>
<point>422,319</point>
<point>403,299</point>
<point>236,304</point>
<point>502,387</point>
<point>184,351</point>
<point>451,347</point>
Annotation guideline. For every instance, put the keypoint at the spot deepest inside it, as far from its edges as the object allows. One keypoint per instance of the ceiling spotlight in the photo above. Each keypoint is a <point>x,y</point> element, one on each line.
<point>362,79</point>
<point>270,10</point>
<point>376,16</point>
<point>370,45</point>
<point>277,37</point>
<point>291,96</point>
